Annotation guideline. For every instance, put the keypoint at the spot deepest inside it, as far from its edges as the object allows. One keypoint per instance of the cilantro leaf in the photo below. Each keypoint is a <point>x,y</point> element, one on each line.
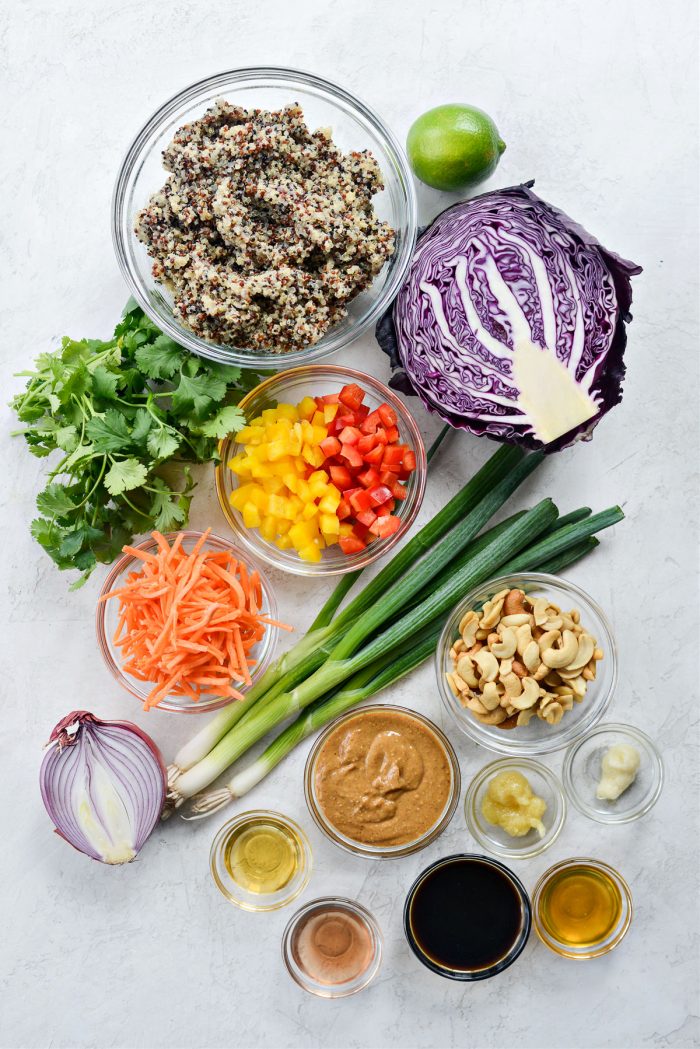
<point>108,432</point>
<point>124,475</point>
<point>165,508</point>
<point>229,419</point>
<point>197,394</point>
<point>104,383</point>
<point>142,424</point>
<point>74,539</point>
<point>66,438</point>
<point>162,443</point>
<point>54,501</point>
<point>161,358</point>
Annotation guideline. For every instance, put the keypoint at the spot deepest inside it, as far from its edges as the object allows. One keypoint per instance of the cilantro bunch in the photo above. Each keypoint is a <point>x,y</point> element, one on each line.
<point>119,412</point>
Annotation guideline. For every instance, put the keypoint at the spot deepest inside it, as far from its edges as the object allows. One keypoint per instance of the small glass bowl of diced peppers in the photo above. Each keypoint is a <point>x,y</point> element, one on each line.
<point>328,473</point>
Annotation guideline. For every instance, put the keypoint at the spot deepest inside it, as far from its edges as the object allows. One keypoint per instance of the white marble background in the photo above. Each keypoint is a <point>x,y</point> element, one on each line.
<point>596,99</point>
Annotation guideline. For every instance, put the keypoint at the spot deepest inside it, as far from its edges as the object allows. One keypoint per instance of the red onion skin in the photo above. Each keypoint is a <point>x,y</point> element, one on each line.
<point>64,739</point>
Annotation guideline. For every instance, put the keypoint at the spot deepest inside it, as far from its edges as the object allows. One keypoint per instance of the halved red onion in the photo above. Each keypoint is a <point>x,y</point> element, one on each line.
<point>103,784</point>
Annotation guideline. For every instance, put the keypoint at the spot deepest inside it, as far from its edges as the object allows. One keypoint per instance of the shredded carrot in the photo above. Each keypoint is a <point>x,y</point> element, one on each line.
<point>188,621</point>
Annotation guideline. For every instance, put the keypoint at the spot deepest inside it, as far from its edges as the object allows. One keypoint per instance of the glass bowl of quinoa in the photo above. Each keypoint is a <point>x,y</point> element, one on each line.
<point>264,218</point>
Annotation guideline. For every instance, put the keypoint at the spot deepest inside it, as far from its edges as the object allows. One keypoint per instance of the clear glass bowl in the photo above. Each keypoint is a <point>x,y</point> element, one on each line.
<point>381,851</point>
<point>465,975</point>
<point>538,737</point>
<point>582,769</point>
<point>309,982</point>
<point>585,951</point>
<point>355,127</point>
<point>290,387</point>
<point>495,839</point>
<point>235,892</point>
<point>107,618</point>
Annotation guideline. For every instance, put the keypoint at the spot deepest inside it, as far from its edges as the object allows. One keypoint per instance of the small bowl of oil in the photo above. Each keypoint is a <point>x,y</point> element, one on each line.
<point>260,860</point>
<point>582,908</point>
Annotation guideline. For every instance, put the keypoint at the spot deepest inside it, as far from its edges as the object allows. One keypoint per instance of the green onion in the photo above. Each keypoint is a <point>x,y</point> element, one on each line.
<point>493,471</point>
<point>341,665</point>
<point>562,539</point>
<point>360,687</point>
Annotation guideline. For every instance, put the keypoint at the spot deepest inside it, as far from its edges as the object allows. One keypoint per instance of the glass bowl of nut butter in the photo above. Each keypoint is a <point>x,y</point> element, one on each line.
<point>526,664</point>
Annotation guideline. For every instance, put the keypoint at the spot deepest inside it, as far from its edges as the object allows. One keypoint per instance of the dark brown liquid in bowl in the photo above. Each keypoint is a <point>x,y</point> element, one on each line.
<point>465,915</point>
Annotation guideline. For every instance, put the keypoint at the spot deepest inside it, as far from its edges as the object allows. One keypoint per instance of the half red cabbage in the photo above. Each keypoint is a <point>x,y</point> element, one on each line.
<point>511,322</point>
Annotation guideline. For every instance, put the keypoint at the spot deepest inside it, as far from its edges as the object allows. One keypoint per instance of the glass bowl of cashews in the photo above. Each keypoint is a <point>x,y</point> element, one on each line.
<point>526,664</point>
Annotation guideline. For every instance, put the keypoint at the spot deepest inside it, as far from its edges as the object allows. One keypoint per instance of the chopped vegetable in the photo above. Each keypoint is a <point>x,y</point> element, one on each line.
<point>119,412</point>
<point>323,472</point>
<point>103,784</point>
<point>188,621</point>
<point>512,321</point>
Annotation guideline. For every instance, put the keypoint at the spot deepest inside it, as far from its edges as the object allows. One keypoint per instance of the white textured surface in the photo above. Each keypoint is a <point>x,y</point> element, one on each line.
<point>596,99</point>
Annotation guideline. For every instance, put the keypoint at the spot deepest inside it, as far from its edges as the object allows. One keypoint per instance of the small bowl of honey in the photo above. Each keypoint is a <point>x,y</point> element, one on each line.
<point>582,908</point>
<point>260,860</point>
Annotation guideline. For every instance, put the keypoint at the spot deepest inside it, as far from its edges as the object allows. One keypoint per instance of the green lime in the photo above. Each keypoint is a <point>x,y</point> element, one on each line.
<point>454,146</point>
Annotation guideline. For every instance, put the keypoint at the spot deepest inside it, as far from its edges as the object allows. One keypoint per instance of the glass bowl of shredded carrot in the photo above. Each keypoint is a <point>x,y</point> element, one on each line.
<point>186,622</point>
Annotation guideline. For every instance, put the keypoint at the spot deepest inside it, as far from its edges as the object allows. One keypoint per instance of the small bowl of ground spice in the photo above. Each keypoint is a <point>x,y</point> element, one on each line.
<point>264,217</point>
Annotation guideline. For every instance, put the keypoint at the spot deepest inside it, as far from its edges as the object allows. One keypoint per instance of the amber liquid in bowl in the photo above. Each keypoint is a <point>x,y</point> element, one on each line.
<point>580,906</point>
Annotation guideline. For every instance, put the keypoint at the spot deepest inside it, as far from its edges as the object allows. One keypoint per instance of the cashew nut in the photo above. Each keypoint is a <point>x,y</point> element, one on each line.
<point>490,697</point>
<point>529,695</point>
<point>451,682</point>
<point>531,657</point>
<point>475,705</point>
<point>513,603</point>
<point>505,668</point>
<point>468,626</point>
<point>547,639</point>
<point>554,713</point>
<point>495,717</point>
<point>505,646</point>
<point>539,610</point>
<point>513,685</point>
<point>524,717</point>
<point>586,648</point>
<point>519,668</point>
<point>524,637</point>
<point>562,656</point>
<point>487,664</point>
<point>491,614</point>
<point>465,669</point>
<point>517,619</point>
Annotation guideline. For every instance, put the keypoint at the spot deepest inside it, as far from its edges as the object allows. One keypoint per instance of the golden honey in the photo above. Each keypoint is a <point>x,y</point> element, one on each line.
<point>580,906</point>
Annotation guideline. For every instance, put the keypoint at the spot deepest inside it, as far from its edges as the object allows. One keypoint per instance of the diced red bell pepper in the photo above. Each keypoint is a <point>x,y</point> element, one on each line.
<point>361,413</point>
<point>350,453</point>
<point>343,510</point>
<point>351,396</point>
<point>380,494</point>
<point>385,526</point>
<point>392,434</point>
<point>386,509</point>
<point>376,455</point>
<point>387,414</point>
<point>398,491</point>
<point>369,477</point>
<point>350,544</point>
<point>409,460</point>
<point>393,455</point>
<point>349,492</point>
<point>387,477</point>
<point>362,532</point>
<point>341,477</point>
<point>330,398</point>
<point>360,500</point>
<point>349,435</point>
<point>366,443</point>
<point>381,435</point>
<point>371,423</point>
<point>366,517</point>
<point>330,446</point>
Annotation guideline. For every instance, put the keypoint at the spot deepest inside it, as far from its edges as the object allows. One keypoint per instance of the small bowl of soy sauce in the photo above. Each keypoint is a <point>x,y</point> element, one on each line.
<point>467,917</point>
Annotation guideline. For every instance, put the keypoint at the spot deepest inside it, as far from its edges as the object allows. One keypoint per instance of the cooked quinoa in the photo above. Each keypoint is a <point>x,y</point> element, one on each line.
<point>264,230</point>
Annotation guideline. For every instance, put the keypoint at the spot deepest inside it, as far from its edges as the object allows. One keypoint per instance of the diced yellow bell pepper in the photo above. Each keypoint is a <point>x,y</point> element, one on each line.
<point>319,419</point>
<point>268,528</point>
<point>329,523</point>
<point>306,407</point>
<point>345,528</point>
<point>287,411</point>
<point>310,553</point>
<point>251,516</point>
<point>284,542</point>
<point>329,412</point>
<point>330,501</point>
<point>313,456</point>
<point>309,511</point>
